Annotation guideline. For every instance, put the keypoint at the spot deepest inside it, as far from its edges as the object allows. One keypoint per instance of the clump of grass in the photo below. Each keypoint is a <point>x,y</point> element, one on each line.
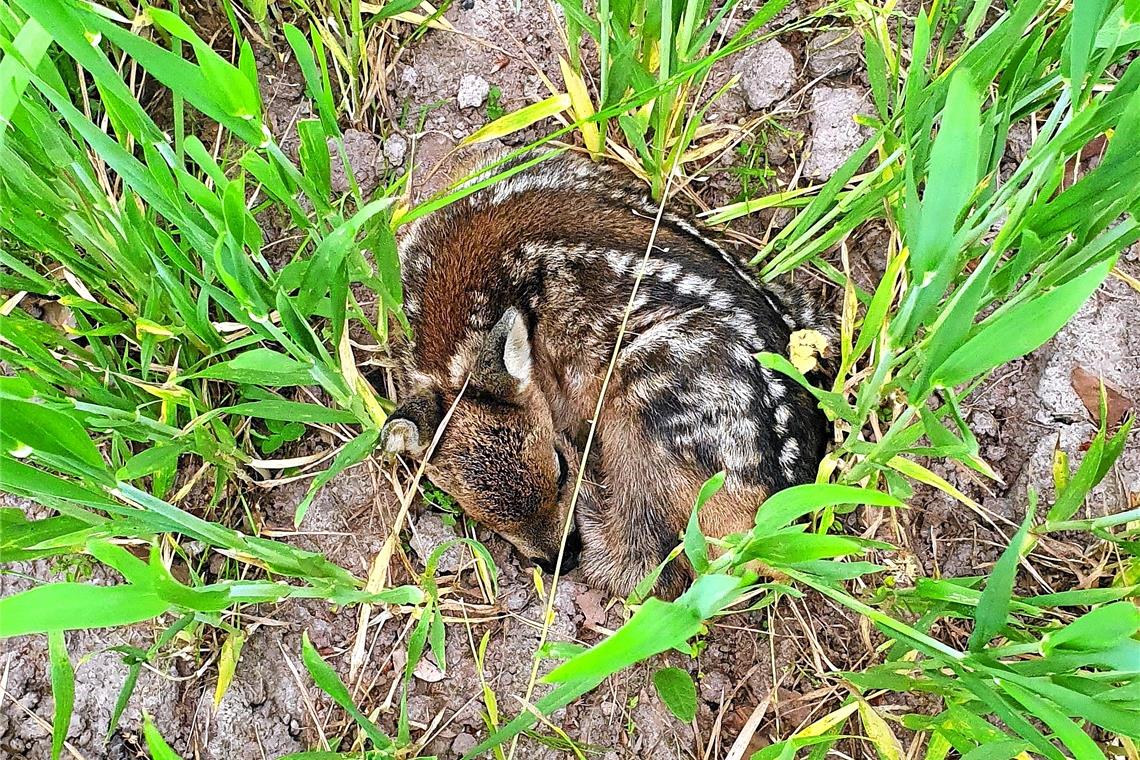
<point>664,50</point>
<point>181,344</point>
<point>184,350</point>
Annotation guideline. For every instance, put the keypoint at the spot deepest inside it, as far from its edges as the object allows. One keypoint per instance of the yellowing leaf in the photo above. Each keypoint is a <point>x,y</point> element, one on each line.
<point>1124,277</point>
<point>371,404</point>
<point>146,327</point>
<point>1060,469</point>
<point>227,664</point>
<point>172,393</point>
<point>880,734</point>
<point>581,107</point>
<point>539,586</point>
<point>520,119</point>
<point>923,475</point>
<point>398,213</point>
<point>709,149</point>
<point>938,748</point>
<point>827,722</point>
<point>804,349</point>
<point>347,360</point>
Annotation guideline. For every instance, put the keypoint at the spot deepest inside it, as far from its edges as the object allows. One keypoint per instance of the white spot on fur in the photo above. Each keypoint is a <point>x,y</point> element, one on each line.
<point>670,270</point>
<point>718,299</point>
<point>692,285</point>
<point>458,367</point>
<point>646,389</point>
<point>409,240</point>
<point>744,325</point>
<point>560,176</point>
<point>743,356</point>
<point>783,416</point>
<point>790,455</point>
<point>464,359</point>
<point>619,261</point>
<point>660,334</point>
<point>418,380</point>
<point>646,268</point>
<point>689,346</point>
<point>772,384</point>
<point>737,457</point>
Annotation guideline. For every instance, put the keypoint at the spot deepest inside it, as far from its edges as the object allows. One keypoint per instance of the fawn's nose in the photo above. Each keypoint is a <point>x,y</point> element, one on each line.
<point>570,556</point>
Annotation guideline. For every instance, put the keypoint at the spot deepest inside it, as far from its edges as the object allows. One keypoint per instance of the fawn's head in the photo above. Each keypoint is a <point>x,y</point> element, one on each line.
<point>498,454</point>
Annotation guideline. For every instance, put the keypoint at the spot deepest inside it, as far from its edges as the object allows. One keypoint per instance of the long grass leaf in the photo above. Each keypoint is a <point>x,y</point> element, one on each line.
<point>993,607</point>
<point>62,690</point>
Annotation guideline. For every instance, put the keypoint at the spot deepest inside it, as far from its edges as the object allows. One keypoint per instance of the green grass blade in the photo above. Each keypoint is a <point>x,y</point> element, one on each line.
<point>62,690</point>
<point>950,182</point>
<point>330,683</point>
<point>158,747</point>
<point>1020,330</point>
<point>74,606</point>
<point>993,608</point>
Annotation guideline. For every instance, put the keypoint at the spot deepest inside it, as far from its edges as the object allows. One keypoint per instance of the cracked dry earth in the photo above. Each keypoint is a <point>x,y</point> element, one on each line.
<point>811,84</point>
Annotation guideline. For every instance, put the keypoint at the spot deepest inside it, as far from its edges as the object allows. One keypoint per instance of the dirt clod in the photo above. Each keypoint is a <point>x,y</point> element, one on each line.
<point>834,133</point>
<point>473,91</point>
<point>366,158</point>
<point>395,149</point>
<point>767,73</point>
<point>463,744</point>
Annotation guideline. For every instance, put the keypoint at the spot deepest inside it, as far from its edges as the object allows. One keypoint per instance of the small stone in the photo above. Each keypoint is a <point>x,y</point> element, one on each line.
<point>767,73</point>
<point>517,600</point>
<point>984,423</point>
<point>473,90</point>
<point>463,744</point>
<point>834,133</point>
<point>834,52</point>
<point>395,149</point>
<point>410,77</point>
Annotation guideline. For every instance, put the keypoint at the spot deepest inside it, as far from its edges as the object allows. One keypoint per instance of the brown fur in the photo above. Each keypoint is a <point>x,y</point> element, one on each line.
<point>516,294</point>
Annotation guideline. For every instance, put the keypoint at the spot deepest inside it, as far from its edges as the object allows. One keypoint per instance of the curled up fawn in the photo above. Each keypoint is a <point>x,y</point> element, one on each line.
<point>516,295</point>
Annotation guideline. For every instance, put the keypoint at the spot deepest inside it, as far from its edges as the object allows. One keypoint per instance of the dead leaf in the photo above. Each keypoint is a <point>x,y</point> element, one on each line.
<point>426,670</point>
<point>592,603</point>
<point>58,315</point>
<point>805,347</point>
<point>1087,386</point>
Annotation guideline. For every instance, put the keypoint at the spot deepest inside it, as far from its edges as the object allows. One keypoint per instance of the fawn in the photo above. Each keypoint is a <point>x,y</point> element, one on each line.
<point>516,295</point>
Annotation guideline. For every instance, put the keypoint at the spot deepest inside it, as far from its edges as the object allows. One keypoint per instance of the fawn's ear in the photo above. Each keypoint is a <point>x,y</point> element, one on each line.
<point>410,428</point>
<point>503,366</point>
